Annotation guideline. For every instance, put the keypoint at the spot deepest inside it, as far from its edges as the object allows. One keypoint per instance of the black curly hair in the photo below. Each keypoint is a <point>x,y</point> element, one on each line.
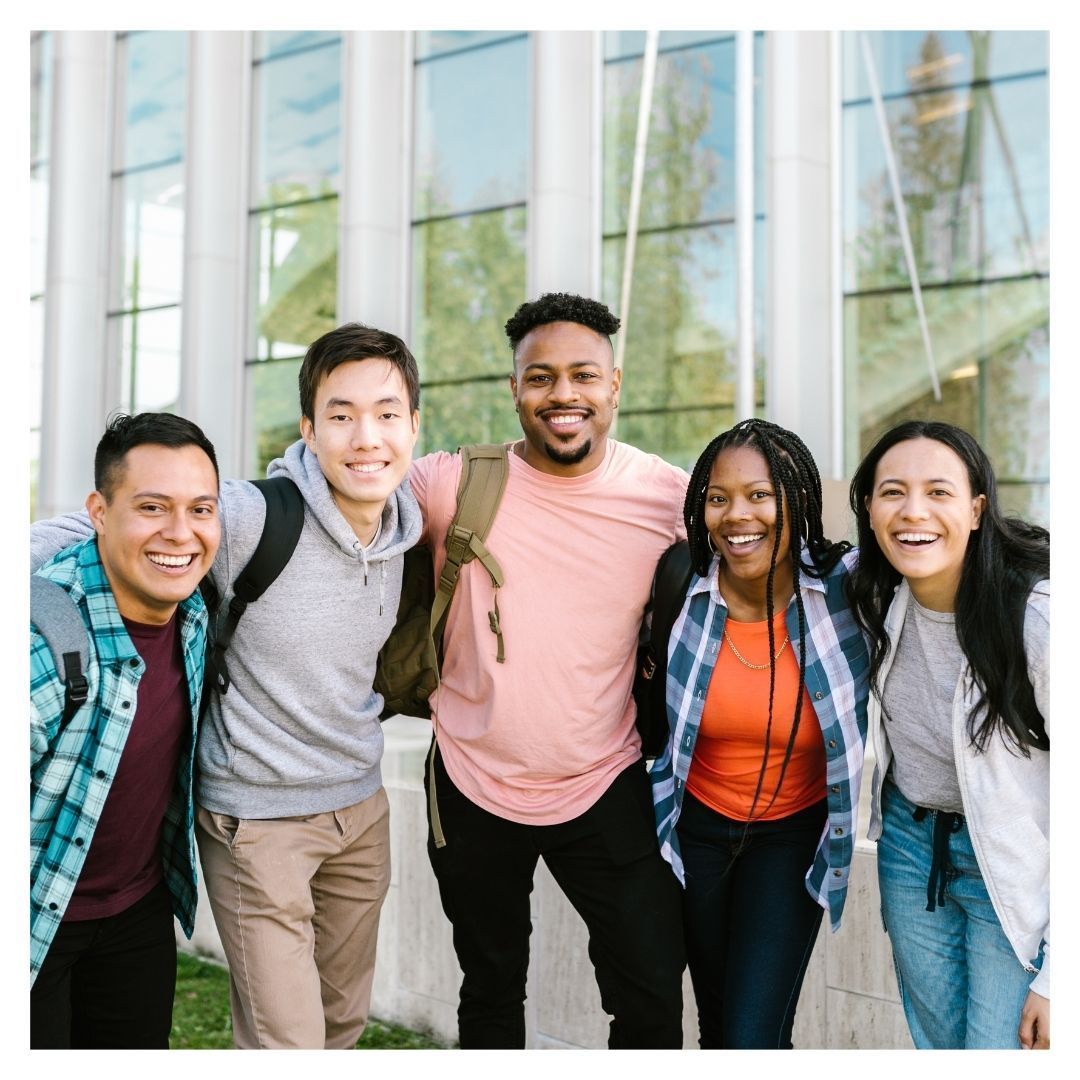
<point>560,307</point>
<point>794,474</point>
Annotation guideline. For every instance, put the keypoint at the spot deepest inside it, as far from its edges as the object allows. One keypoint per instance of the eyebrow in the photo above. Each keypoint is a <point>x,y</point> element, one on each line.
<point>540,365</point>
<point>748,483</point>
<point>162,497</point>
<point>937,480</point>
<point>337,403</point>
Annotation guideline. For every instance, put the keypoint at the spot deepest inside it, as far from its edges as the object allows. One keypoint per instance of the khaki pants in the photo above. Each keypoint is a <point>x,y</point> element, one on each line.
<point>297,902</point>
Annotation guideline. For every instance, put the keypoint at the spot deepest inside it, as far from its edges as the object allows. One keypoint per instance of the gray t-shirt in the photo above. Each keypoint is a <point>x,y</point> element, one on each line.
<point>918,707</point>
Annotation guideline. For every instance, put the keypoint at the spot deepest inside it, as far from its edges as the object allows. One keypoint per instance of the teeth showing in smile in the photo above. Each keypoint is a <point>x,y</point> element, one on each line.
<point>171,560</point>
<point>374,466</point>
<point>571,418</point>
<point>916,538</point>
<point>737,540</point>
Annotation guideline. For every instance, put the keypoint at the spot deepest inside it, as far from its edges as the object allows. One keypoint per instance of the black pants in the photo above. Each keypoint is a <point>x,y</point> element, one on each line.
<point>750,923</point>
<point>608,864</point>
<point>108,983</point>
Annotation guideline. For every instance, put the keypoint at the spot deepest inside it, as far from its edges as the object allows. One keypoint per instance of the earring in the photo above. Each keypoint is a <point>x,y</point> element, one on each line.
<point>712,546</point>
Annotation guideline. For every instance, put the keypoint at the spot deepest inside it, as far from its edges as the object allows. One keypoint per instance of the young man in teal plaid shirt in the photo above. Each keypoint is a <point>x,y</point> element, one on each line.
<point>112,855</point>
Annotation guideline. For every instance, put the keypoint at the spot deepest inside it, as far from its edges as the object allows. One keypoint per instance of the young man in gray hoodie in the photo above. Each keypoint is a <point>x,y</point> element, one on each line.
<point>292,819</point>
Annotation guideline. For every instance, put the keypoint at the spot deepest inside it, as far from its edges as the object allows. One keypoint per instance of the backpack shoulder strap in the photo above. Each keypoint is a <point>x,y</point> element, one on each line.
<point>280,535</point>
<point>673,575</point>
<point>484,469</point>
<point>54,613</point>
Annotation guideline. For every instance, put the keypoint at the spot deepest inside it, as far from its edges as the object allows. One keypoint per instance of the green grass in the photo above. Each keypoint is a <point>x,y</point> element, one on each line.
<point>201,1014</point>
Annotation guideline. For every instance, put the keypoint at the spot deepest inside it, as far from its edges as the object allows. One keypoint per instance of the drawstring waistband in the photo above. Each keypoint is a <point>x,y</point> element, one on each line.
<point>945,824</point>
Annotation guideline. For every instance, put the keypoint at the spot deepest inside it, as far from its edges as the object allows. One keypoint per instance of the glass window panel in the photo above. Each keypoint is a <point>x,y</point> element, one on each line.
<point>468,279</point>
<point>974,175</point>
<point>472,131</point>
<point>275,409</point>
<point>152,93</point>
<point>148,351</point>
<point>41,49</point>
<point>39,227</point>
<point>689,163</point>
<point>148,224</point>
<point>451,416</point>
<point>990,345</point>
<point>680,334</point>
<point>294,257</point>
<point>678,437</point>
<point>912,60</point>
<point>35,470</point>
<point>620,44</point>
<point>433,42</point>
<point>297,106</point>
<point>37,359</point>
<point>270,43</point>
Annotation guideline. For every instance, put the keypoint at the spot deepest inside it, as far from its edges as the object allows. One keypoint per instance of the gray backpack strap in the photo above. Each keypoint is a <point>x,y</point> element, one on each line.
<point>58,620</point>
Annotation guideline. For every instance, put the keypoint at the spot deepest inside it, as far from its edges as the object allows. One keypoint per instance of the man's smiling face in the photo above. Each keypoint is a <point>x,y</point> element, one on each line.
<point>363,434</point>
<point>157,527</point>
<point>565,390</point>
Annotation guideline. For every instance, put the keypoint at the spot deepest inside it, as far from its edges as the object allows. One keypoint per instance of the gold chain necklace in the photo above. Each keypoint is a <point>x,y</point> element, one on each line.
<point>746,663</point>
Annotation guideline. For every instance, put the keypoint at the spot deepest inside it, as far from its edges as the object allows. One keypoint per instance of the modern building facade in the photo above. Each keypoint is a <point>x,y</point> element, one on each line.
<point>836,231</point>
<point>833,230</point>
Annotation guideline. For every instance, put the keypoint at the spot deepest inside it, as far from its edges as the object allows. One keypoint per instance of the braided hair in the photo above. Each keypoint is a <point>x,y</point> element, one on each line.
<point>794,473</point>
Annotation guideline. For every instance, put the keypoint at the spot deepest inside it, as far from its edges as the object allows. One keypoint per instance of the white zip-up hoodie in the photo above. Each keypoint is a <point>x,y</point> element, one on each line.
<point>1006,796</point>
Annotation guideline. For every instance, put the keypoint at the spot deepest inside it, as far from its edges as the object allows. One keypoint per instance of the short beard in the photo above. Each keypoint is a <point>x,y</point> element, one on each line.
<point>569,457</point>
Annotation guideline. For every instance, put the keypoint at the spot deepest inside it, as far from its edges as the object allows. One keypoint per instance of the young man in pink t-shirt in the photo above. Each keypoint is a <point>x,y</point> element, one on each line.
<point>538,756</point>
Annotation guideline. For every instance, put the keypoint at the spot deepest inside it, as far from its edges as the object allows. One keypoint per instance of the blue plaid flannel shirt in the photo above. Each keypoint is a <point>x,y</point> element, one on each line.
<point>837,670</point>
<point>70,774</point>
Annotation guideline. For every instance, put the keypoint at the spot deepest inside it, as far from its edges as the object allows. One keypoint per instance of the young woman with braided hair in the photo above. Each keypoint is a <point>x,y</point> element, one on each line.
<point>756,791</point>
<point>955,599</point>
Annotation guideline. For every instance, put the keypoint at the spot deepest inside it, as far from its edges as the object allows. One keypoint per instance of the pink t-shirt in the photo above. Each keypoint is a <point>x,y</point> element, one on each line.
<point>538,738</point>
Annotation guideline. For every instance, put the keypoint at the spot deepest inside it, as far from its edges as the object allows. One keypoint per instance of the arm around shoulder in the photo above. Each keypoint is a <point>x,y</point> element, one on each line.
<point>50,537</point>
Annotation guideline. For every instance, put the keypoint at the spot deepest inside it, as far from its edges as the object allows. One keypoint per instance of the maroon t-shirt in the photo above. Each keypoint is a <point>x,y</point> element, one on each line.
<point>124,860</point>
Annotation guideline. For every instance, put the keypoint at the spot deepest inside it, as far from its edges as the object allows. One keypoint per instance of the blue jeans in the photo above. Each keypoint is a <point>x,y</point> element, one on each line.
<point>961,984</point>
<point>750,923</point>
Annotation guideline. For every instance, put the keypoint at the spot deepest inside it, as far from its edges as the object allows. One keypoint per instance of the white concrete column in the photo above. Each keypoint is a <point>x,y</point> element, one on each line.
<point>373,262</point>
<point>564,183</point>
<point>73,413</point>
<point>801,229</point>
<point>214,300</point>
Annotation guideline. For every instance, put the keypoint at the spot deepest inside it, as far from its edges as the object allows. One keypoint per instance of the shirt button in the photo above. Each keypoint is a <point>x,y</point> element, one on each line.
<point>53,907</point>
<point>837,873</point>
<point>78,841</point>
<point>832,744</point>
<point>818,695</point>
<point>100,774</point>
<point>125,704</point>
<point>134,662</point>
<point>839,830</point>
<point>835,789</point>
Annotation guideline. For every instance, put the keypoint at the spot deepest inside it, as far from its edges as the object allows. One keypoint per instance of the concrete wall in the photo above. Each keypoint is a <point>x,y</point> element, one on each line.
<point>849,998</point>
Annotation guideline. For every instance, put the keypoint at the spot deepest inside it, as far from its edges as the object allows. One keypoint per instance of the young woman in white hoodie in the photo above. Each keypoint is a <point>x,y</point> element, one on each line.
<point>955,599</point>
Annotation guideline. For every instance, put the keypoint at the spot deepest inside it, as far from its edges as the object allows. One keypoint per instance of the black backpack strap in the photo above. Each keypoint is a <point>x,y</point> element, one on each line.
<point>280,535</point>
<point>673,574</point>
<point>57,619</point>
<point>670,582</point>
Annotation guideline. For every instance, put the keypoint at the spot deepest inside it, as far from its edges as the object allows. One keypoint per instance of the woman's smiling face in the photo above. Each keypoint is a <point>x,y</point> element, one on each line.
<point>740,514</point>
<point>923,512</point>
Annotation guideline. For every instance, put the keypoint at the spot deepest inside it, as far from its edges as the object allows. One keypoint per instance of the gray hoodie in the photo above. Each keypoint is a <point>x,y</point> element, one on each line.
<point>298,731</point>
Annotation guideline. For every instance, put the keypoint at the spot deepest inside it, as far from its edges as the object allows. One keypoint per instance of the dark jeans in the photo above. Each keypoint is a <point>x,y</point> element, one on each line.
<point>608,864</point>
<point>108,984</point>
<point>750,923</point>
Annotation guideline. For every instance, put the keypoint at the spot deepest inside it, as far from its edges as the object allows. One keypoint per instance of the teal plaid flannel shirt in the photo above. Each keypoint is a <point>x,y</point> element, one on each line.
<point>837,677</point>
<point>71,772</point>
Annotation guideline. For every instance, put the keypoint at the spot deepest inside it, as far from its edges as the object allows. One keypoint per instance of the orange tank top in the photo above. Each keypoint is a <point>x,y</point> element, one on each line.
<point>731,738</point>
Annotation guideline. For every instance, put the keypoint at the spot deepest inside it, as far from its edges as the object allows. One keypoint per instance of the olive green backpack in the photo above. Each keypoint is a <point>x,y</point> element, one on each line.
<point>408,666</point>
